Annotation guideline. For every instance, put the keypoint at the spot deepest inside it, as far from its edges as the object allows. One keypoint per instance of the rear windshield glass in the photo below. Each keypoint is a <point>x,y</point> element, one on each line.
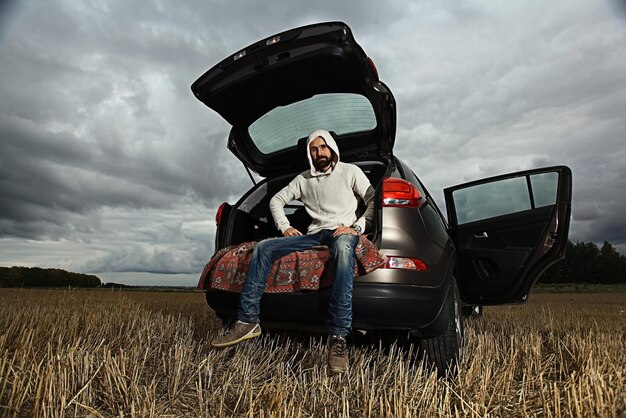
<point>281,127</point>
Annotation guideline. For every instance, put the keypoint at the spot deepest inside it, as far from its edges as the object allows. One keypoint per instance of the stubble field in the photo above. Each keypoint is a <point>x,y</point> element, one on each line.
<point>112,353</point>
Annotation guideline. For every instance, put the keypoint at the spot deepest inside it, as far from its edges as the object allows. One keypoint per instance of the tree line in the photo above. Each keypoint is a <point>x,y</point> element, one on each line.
<point>585,262</point>
<point>39,277</point>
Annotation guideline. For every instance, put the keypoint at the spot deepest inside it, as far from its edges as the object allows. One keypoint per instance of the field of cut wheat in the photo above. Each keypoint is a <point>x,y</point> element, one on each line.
<point>130,353</point>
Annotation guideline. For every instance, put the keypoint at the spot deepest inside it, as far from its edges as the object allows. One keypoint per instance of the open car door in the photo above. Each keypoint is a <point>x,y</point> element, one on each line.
<point>508,230</point>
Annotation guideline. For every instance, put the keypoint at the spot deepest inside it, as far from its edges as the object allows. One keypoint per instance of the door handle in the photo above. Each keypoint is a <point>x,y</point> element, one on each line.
<point>481,236</point>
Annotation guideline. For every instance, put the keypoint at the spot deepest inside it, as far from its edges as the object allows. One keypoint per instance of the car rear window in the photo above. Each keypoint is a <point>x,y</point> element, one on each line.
<point>342,113</point>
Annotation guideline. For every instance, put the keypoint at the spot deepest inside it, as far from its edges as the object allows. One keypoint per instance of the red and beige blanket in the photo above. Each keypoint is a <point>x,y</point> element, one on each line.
<point>301,270</point>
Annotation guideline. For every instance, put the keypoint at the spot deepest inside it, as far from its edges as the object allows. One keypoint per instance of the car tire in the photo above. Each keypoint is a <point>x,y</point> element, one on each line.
<point>444,351</point>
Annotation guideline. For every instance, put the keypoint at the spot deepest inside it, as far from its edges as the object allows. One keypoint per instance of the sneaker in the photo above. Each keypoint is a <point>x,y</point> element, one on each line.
<point>337,354</point>
<point>239,332</point>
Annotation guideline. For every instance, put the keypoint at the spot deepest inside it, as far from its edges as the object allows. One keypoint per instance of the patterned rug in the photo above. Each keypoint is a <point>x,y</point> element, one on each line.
<point>301,270</point>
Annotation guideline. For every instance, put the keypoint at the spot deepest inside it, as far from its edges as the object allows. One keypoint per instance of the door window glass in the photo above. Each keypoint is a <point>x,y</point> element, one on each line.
<point>544,188</point>
<point>491,199</point>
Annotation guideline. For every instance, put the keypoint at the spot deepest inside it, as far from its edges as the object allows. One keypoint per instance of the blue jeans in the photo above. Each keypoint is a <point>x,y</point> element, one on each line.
<point>267,251</point>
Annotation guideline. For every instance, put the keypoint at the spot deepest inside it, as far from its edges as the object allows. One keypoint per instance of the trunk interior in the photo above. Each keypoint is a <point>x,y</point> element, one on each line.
<point>250,218</point>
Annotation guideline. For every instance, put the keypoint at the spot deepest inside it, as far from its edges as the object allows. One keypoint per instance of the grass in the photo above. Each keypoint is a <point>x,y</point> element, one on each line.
<point>118,353</point>
<point>579,288</point>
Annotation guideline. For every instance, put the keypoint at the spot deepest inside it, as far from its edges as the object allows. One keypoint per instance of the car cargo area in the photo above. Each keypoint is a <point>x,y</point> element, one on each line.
<point>250,218</point>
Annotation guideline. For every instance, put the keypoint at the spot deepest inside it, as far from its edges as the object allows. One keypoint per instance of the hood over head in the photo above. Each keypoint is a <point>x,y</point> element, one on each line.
<point>330,141</point>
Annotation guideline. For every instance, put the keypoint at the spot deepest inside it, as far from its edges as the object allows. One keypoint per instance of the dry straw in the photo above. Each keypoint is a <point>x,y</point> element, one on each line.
<point>104,353</point>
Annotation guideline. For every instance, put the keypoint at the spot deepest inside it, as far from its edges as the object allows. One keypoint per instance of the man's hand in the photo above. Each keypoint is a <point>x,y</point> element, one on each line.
<point>344,230</point>
<point>291,232</point>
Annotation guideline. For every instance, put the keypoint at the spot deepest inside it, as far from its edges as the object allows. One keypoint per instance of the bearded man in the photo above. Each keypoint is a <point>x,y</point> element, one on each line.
<point>330,191</point>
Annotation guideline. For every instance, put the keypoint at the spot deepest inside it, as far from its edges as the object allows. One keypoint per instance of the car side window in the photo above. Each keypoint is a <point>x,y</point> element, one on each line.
<point>497,198</point>
<point>544,188</point>
<point>491,199</point>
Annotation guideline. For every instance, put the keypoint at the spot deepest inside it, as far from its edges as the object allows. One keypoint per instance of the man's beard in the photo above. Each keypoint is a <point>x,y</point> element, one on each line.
<point>321,163</point>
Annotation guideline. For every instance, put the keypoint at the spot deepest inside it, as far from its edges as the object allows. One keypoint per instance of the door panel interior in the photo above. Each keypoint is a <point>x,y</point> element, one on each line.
<point>507,230</point>
<point>493,253</point>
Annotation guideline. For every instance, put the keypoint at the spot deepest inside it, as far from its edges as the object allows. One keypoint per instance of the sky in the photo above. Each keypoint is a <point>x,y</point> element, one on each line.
<point>110,166</point>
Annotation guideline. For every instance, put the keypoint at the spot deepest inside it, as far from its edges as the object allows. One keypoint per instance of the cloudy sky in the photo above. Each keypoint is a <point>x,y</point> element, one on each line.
<point>109,165</point>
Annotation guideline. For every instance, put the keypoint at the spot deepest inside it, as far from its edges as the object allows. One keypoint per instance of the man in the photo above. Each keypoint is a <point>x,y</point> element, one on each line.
<point>329,192</point>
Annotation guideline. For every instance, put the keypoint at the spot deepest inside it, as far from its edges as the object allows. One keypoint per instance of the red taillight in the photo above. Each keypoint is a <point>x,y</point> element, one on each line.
<point>398,192</point>
<point>218,215</point>
<point>405,263</point>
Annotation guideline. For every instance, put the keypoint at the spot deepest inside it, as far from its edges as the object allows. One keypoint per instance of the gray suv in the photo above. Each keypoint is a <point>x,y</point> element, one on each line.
<point>501,233</point>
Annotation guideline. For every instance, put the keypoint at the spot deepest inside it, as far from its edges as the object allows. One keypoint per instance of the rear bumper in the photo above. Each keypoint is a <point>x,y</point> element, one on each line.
<point>376,306</point>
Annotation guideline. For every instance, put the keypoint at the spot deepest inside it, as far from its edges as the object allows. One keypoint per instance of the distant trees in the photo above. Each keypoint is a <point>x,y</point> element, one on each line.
<point>38,277</point>
<point>586,263</point>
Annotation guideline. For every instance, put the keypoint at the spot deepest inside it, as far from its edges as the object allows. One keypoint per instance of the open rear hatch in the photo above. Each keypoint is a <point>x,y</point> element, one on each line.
<point>277,90</point>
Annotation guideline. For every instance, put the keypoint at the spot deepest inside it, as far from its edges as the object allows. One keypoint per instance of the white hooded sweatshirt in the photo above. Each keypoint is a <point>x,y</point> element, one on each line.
<point>330,197</point>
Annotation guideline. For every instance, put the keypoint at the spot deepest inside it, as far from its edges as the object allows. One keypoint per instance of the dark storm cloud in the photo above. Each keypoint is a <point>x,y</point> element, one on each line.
<point>553,94</point>
<point>77,125</point>
<point>619,6</point>
<point>78,132</point>
<point>139,259</point>
<point>103,144</point>
<point>6,11</point>
<point>45,178</point>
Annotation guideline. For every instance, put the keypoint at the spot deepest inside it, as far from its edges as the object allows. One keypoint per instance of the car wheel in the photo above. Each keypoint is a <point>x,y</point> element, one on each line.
<point>443,351</point>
